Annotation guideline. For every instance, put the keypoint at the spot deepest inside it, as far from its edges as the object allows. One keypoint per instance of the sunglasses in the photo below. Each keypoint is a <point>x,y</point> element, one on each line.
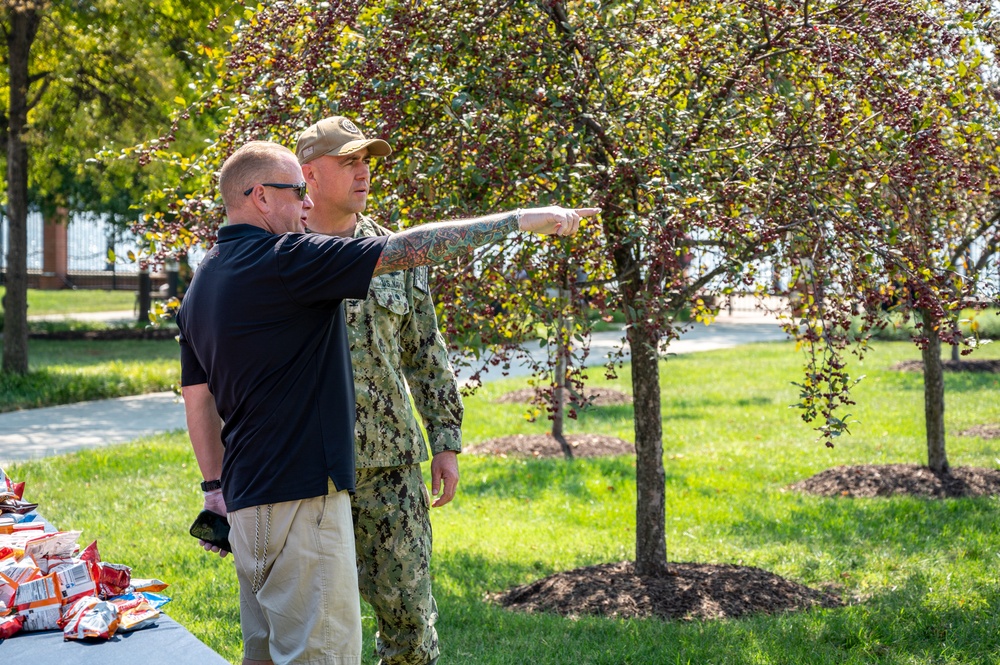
<point>300,188</point>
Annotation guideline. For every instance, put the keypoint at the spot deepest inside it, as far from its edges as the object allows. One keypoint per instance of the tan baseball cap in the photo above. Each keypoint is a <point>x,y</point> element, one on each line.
<point>336,136</point>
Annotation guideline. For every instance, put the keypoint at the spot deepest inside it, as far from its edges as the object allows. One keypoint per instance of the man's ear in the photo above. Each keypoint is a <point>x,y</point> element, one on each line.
<point>258,197</point>
<point>309,174</point>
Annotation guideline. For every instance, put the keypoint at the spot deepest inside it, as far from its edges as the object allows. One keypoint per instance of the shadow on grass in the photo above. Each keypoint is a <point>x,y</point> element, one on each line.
<point>954,382</point>
<point>905,525</point>
<point>671,409</point>
<point>904,624</point>
<point>517,477</point>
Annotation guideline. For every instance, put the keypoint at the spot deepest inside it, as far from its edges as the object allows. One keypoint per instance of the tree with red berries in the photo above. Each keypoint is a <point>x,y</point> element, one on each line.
<point>722,140</point>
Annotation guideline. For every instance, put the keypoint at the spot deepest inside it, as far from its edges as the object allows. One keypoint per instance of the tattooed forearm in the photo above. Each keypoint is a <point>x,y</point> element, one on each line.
<point>436,243</point>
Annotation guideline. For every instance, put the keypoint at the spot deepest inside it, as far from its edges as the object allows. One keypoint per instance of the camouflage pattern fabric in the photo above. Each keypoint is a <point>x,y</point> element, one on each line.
<point>392,531</point>
<point>395,344</point>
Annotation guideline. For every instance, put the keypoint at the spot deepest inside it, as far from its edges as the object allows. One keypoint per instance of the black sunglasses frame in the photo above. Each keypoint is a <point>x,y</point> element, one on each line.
<point>300,188</point>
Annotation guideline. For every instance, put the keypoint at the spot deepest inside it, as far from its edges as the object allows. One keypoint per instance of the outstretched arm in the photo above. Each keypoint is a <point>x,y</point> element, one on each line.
<point>438,242</point>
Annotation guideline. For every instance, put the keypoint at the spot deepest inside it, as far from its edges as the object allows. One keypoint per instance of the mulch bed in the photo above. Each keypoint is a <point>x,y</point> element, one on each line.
<point>982,431</point>
<point>598,396</point>
<point>684,591</point>
<point>544,445</point>
<point>870,480</point>
<point>991,366</point>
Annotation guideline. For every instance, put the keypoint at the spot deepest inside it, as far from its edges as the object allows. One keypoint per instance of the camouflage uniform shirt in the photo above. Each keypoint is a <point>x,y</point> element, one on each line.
<point>395,344</point>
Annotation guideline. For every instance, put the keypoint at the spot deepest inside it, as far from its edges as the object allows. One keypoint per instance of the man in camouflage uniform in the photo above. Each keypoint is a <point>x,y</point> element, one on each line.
<point>395,345</point>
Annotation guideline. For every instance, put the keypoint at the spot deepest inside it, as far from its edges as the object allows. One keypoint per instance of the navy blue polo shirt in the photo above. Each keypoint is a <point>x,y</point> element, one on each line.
<point>262,325</point>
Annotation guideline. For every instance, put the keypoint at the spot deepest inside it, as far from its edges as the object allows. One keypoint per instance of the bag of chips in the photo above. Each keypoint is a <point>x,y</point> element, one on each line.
<point>90,618</point>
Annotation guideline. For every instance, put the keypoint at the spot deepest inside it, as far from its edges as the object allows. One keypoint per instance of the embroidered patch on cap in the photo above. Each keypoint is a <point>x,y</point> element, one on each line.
<point>349,126</point>
<point>308,151</point>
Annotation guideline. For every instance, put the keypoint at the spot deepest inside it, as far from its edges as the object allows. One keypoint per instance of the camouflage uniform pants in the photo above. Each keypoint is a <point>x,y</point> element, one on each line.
<point>392,530</point>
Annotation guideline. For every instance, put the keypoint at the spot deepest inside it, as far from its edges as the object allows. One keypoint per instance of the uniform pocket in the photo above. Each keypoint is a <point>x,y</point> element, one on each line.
<point>390,293</point>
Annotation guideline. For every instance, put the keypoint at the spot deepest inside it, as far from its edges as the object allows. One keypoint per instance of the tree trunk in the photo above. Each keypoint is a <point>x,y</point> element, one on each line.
<point>651,508</point>
<point>559,416</point>
<point>937,460</point>
<point>23,25</point>
<point>559,394</point>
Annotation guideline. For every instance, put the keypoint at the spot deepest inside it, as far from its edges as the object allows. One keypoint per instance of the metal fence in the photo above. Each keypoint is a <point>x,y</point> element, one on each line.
<point>90,236</point>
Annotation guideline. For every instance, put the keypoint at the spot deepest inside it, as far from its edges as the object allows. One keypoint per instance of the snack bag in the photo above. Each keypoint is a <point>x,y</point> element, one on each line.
<point>6,598</point>
<point>39,603</point>
<point>91,618</point>
<point>114,580</point>
<point>135,612</point>
<point>9,626</point>
<point>19,573</point>
<point>6,486</point>
<point>75,582</point>
<point>51,549</point>
<point>140,585</point>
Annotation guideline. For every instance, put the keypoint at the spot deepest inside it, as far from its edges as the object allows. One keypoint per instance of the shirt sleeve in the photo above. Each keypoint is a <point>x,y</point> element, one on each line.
<point>319,270</point>
<point>429,373</point>
<point>192,373</point>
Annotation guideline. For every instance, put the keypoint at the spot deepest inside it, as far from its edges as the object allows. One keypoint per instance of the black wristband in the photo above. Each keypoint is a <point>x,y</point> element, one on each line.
<point>209,485</point>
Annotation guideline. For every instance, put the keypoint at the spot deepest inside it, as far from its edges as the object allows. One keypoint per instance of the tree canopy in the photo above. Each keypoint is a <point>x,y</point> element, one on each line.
<point>82,78</point>
<point>723,141</point>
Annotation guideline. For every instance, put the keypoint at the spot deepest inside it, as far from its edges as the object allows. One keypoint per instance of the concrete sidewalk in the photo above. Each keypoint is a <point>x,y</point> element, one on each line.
<point>120,316</point>
<point>35,433</point>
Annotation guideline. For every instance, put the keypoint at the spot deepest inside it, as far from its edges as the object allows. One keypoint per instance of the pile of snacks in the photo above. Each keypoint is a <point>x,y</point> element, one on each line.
<point>47,583</point>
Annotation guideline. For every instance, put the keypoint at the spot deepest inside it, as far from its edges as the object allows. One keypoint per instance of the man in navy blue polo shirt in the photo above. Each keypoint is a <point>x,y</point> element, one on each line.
<point>264,350</point>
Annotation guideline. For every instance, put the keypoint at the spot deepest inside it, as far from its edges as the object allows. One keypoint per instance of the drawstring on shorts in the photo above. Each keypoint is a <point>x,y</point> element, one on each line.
<point>260,558</point>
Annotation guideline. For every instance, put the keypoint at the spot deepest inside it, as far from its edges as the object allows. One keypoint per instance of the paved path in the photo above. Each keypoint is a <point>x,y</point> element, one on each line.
<point>55,430</point>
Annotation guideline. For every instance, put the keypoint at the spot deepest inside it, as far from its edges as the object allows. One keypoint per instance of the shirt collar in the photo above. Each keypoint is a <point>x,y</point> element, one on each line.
<point>237,231</point>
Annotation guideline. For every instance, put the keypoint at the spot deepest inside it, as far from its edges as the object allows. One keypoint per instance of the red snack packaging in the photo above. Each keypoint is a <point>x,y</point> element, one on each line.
<point>11,625</point>
<point>90,553</point>
<point>19,490</point>
<point>114,580</point>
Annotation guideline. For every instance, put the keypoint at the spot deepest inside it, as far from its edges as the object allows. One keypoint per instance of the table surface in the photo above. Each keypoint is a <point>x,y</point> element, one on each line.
<point>164,643</point>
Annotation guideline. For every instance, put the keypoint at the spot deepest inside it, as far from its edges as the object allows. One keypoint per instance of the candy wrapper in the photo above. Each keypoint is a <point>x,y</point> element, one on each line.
<point>90,618</point>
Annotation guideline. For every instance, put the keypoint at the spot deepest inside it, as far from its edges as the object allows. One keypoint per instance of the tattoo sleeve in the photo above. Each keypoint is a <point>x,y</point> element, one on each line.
<point>431,244</point>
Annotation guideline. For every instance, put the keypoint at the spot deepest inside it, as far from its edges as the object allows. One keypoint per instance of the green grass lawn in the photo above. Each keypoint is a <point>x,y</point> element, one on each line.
<point>920,576</point>
<point>69,301</point>
<point>62,372</point>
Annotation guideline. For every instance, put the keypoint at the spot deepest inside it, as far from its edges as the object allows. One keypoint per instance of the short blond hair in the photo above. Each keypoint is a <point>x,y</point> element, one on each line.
<point>251,164</point>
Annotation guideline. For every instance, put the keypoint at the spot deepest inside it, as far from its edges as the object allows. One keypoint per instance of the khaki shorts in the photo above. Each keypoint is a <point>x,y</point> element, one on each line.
<point>298,579</point>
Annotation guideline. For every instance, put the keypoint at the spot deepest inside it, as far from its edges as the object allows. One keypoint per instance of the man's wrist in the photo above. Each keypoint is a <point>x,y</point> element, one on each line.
<point>210,485</point>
